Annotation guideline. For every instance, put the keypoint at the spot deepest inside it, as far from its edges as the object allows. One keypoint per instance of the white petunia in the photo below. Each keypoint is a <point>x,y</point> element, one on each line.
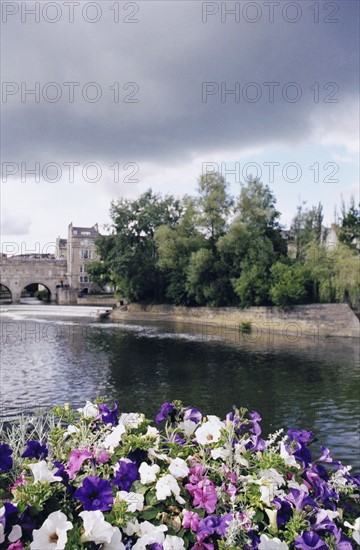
<point>166,486</point>
<point>178,468</point>
<point>272,515</point>
<point>115,542</point>
<point>113,439</point>
<point>131,420</point>
<point>52,535</point>
<point>239,451</point>
<point>71,429</point>
<point>96,529</point>
<point>135,501</point>
<point>41,472</point>
<point>15,533</point>
<point>272,475</point>
<point>152,432</point>
<point>148,473</point>
<point>90,410</point>
<point>153,455</point>
<point>210,431</point>
<point>188,427</point>
<point>270,482</point>
<point>220,452</point>
<point>271,544</point>
<point>289,459</point>
<point>131,528</point>
<point>173,543</point>
<point>355,528</point>
<point>149,534</point>
<point>2,528</point>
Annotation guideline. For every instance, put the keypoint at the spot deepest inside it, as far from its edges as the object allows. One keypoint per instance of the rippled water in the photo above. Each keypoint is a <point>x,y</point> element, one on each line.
<point>53,354</point>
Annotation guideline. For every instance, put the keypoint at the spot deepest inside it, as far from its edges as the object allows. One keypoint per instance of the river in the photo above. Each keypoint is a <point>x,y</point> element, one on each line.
<point>56,354</point>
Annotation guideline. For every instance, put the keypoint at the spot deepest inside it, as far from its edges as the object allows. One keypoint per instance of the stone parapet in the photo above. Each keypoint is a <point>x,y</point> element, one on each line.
<point>313,319</point>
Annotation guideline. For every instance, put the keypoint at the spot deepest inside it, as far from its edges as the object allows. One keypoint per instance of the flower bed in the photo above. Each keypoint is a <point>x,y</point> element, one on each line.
<point>95,478</point>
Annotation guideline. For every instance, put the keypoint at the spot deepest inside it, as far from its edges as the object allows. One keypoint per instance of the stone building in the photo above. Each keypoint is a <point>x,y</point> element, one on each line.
<point>78,250</point>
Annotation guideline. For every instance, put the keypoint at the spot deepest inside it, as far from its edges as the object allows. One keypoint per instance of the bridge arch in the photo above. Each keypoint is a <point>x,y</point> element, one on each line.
<point>38,290</point>
<point>5,294</point>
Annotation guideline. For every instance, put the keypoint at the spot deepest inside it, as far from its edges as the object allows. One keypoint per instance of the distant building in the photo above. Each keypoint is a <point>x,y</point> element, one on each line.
<point>78,250</point>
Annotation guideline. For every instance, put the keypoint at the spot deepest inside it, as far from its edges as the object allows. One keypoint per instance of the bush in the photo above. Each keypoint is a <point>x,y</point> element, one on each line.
<point>290,284</point>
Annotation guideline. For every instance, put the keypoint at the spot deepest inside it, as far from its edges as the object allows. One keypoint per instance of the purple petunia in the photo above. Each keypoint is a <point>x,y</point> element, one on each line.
<point>109,416</point>
<point>193,414</point>
<point>213,525</point>
<point>125,476</point>
<point>95,494</point>
<point>34,449</point>
<point>6,461</point>
<point>300,499</point>
<point>166,409</point>
<point>310,540</point>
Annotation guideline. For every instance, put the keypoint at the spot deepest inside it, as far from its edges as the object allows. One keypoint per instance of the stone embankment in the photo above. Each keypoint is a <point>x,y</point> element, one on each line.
<point>315,319</point>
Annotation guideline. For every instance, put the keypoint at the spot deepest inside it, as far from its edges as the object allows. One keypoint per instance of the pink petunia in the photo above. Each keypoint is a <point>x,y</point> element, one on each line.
<point>191,520</point>
<point>103,457</point>
<point>76,460</point>
<point>197,473</point>
<point>20,481</point>
<point>205,496</point>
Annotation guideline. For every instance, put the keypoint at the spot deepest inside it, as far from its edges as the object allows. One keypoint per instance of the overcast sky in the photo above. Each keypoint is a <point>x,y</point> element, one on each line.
<point>132,95</point>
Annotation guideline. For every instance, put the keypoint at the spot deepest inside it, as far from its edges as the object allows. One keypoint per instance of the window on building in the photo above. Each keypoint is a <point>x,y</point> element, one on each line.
<point>86,279</point>
<point>85,254</point>
<point>81,279</point>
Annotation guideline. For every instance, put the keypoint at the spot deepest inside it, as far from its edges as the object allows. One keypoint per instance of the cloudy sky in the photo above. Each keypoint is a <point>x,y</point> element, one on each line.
<point>105,99</point>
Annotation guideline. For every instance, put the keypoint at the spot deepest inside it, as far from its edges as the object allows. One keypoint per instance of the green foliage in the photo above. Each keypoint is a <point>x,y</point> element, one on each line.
<point>350,225</point>
<point>290,284</point>
<point>334,272</point>
<point>99,273</point>
<point>174,248</point>
<point>245,327</point>
<point>215,251</point>
<point>252,286</point>
<point>215,204</point>
<point>42,295</point>
<point>306,228</point>
<point>130,252</point>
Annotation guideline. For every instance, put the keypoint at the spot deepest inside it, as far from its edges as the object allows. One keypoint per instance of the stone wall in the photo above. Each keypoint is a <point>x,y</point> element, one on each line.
<point>97,300</point>
<point>314,319</point>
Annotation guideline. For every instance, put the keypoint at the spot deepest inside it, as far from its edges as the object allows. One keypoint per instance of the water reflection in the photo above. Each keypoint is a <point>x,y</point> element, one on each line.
<point>308,383</point>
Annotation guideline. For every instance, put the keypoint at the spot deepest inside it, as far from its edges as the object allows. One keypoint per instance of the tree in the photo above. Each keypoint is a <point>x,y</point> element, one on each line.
<point>215,204</point>
<point>350,225</point>
<point>306,227</point>
<point>290,284</point>
<point>130,252</point>
<point>253,243</point>
<point>334,273</point>
<point>174,248</point>
<point>100,274</point>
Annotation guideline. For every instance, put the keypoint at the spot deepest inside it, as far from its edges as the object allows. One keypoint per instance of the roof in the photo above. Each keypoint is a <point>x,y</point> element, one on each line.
<point>85,231</point>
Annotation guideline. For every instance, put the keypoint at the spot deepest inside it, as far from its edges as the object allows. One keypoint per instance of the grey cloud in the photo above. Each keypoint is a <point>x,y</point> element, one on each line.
<point>169,54</point>
<point>11,224</point>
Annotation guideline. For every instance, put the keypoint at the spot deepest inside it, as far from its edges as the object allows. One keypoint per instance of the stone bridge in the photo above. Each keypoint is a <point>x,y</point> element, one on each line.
<point>18,272</point>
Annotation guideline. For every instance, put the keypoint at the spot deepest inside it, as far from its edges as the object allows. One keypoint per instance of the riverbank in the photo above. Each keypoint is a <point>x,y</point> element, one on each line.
<point>315,319</point>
